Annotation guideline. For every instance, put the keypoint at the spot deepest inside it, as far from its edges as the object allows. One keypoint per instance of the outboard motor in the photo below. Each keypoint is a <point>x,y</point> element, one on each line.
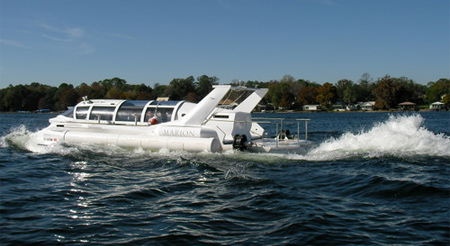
<point>284,134</point>
<point>240,142</point>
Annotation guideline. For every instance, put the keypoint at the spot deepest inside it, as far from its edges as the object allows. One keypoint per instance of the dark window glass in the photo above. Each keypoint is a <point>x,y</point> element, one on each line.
<point>162,114</point>
<point>105,113</point>
<point>81,113</point>
<point>130,111</point>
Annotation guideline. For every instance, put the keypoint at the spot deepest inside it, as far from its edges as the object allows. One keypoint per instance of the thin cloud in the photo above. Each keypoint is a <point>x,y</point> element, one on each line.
<point>13,43</point>
<point>74,32</point>
<point>73,36</point>
<point>85,49</point>
<point>66,34</point>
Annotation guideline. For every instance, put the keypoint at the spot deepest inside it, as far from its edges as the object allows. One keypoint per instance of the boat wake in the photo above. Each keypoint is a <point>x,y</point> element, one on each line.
<point>399,136</point>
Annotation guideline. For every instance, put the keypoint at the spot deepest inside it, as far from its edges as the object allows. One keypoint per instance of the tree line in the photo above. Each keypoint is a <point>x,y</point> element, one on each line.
<point>286,93</point>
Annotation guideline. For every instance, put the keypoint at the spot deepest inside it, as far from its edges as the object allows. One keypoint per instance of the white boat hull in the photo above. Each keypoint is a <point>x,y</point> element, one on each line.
<point>211,125</point>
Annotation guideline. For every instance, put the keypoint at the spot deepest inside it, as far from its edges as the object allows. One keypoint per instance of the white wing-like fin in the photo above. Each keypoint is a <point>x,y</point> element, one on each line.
<point>204,108</point>
<point>251,101</point>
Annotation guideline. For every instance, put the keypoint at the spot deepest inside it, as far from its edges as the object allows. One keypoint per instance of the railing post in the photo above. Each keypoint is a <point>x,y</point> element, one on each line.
<point>306,130</point>
<point>276,135</point>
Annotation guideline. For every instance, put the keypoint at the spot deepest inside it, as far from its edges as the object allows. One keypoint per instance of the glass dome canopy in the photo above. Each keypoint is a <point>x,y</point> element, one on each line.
<point>126,111</point>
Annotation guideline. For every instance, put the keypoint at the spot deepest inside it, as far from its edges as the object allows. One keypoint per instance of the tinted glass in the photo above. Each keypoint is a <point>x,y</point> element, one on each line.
<point>130,111</point>
<point>105,113</point>
<point>81,112</point>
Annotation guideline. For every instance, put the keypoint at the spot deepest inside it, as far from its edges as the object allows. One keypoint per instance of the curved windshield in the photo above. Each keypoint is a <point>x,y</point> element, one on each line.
<point>102,113</point>
<point>130,110</point>
<point>81,112</point>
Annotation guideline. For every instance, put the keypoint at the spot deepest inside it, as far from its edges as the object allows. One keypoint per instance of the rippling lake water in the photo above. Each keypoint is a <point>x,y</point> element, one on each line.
<point>370,179</point>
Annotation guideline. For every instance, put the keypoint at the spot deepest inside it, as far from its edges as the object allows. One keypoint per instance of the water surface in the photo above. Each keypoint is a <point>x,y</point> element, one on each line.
<point>370,178</point>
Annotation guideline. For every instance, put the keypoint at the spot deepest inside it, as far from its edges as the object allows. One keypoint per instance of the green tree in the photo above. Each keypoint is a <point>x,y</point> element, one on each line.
<point>341,86</point>
<point>179,89</point>
<point>347,91</point>
<point>142,92</point>
<point>47,100</point>
<point>280,94</point>
<point>65,96</point>
<point>13,97</point>
<point>36,92</point>
<point>204,85</point>
<point>365,88</point>
<point>97,91</point>
<point>446,100</point>
<point>437,90</point>
<point>69,97</point>
<point>410,91</point>
<point>115,93</point>
<point>2,96</point>
<point>160,91</point>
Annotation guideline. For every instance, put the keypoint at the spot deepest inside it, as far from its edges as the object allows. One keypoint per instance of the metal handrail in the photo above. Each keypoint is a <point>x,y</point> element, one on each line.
<point>279,122</point>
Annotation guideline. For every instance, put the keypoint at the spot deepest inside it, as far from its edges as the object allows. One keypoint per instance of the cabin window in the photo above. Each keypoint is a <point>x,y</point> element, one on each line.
<point>130,111</point>
<point>102,113</point>
<point>162,114</point>
<point>81,112</point>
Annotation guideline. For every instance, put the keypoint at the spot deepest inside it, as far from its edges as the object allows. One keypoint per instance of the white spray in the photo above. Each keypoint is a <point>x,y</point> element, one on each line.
<point>398,136</point>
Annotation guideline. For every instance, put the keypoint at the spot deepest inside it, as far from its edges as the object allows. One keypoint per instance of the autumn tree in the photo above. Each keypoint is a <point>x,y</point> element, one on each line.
<point>327,95</point>
<point>389,92</point>
<point>308,94</point>
<point>410,91</point>
<point>386,93</point>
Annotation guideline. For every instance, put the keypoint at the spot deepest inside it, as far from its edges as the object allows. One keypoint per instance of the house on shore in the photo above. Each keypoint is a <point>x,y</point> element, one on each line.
<point>367,106</point>
<point>312,108</point>
<point>408,106</point>
<point>339,106</point>
<point>437,106</point>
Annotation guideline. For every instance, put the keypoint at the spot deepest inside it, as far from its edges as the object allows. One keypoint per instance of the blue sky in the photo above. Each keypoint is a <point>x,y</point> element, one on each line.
<point>154,41</point>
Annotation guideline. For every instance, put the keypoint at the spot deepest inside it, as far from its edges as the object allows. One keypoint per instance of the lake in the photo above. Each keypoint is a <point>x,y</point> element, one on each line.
<point>369,179</point>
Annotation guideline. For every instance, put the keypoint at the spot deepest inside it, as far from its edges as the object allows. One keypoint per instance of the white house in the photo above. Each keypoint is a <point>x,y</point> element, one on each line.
<point>367,105</point>
<point>312,108</point>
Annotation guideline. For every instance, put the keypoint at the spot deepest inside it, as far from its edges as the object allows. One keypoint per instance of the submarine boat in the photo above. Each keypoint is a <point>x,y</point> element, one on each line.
<point>221,121</point>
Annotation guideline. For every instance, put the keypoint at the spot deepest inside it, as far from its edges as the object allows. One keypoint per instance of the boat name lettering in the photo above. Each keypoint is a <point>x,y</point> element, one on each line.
<point>179,132</point>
